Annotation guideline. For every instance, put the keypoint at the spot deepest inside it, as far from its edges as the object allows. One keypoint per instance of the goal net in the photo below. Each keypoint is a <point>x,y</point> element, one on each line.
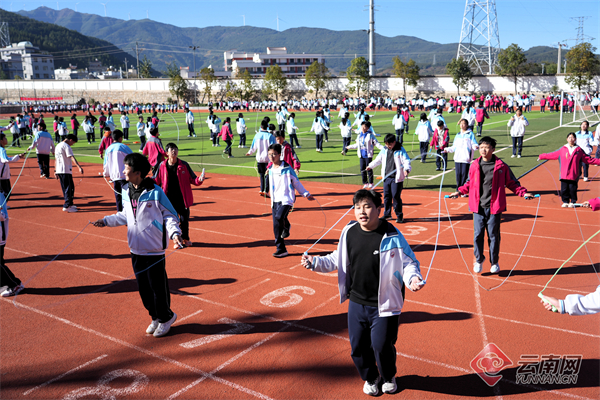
<point>578,106</point>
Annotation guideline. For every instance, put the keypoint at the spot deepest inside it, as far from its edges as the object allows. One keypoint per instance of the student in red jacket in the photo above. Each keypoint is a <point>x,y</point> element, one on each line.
<point>154,149</point>
<point>175,177</point>
<point>570,157</point>
<point>107,140</point>
<point>488,176</point>
<point>227,136</point>
<point>287,152</point>
<point>480,116</point>
<point>440,140</point>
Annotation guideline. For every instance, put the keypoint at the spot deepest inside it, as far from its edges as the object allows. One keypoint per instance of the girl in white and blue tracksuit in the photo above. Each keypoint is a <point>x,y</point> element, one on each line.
<point>327,118</point>
<point>399,124</point>
<point>585,140</point>
<point>213,124</point>
<point>463,146</point>
<point>113,168</point>
<point>125,125</point>
<point>43,145</point>
<point>151,221</point>
<point>189,120</point>
<point>346,128</point>
<point>372,327</point>
<point>393,175</point>
<point>240,126</point>
<point>319,127</point>
<point>281,115</point>
<point>424,132</point>
<point>291,130</point>
<point>365,144</point>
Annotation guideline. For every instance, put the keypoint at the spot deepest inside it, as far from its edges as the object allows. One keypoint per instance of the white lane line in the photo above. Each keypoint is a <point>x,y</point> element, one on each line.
<point>249,288</point>
<point>189,316</point>
<point>65,374</point>
<point>144,351</point>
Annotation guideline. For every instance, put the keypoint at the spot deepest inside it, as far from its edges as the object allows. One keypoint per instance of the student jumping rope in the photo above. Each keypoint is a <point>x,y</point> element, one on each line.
<point>585,140</point>
<point>374,263</point>
<point>43,145</point>
<point>517,124</point>
<point>12,284</point>
<point>439,142</point>
<point>260,145</point>
<point>63,170</point>
<point>114,166</point>
<point>392,157</point>
<point>284,183</point>
<point>151,221</point>
<point>365,144</point>
<point>488,177</point>
<point>570,157</point>
<point>424,133</point>
<point>463,146</point>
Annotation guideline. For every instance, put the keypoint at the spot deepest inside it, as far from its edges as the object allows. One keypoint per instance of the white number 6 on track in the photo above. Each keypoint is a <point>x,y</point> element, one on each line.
<point>105,392</point>
<point>293,298</point>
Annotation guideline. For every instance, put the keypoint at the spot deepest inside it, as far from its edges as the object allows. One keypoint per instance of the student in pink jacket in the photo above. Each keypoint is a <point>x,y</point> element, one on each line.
<point>480,116</point>
<point>175,177</point>
<point>594,204</point>
<point>440,140</point>
<point>227,136</point>
<point>154,149</point>
<point>488,177</point>
<point>570,156</point>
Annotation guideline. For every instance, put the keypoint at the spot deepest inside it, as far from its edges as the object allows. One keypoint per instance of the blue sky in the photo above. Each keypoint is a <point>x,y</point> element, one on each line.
<point>525,22</point>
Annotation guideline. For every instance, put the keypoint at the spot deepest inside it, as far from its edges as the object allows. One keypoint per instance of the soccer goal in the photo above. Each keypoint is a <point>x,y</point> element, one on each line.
<point>577,109</point>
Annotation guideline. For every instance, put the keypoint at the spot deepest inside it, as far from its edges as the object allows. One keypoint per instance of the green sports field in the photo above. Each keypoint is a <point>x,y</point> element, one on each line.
<point>330,166</point>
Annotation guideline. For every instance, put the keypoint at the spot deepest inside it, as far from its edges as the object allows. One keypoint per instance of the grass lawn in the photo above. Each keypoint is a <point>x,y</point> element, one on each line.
<point>331,166</point>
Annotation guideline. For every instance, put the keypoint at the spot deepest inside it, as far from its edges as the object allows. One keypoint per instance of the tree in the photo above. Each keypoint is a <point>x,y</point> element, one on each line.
<point>178,87</point>
<point>275,81</point>
<point>582,65</point>
<point>246,86</point>
<point>316,76</point>
<point>172,70</point>
<point>231,90</point>
<point>207,76</point>
<point>145,68</point>
<point>461,73</point>
<point>3,74</point>
<point>409,72</point>
<point>512,63</point>
<point>358,75</point>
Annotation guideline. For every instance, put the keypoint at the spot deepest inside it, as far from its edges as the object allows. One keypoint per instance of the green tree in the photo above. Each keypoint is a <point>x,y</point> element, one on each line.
<point>358,76</point>
<point>275,81</point>
<point>3,74</point>
<point>461,73</point>
<point>207,76</point>
<point>409,72</point>
<point>178,87</point>
<point>172,70</point>
<point>317,75</point>
<point>512,63</point>
<point>246,86</point>
<point>145,68</point>
<point>582,65</point>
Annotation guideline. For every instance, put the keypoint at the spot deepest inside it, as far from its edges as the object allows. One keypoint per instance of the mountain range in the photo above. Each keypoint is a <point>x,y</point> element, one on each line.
<point>164,43</point>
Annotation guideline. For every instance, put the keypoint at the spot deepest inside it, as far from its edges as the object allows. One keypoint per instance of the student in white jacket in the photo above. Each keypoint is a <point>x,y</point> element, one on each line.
<point>240,126</point>
<point>319,127</point>
<point>463,146</point>
<point>189,120</point>
<point>114,165</point>
<point>517,130</point>
<point>43,145</point>
<point>374,286</point>
<point>346,128</point>
<point>395,167</point>
<point>125,125</point>
<point>151,221</point>
<point>399,124</point>
<point>292,130</point>
<point>574,304</point>
<point>424,132</point>
<point>365,144</point>
<point>260,145</point>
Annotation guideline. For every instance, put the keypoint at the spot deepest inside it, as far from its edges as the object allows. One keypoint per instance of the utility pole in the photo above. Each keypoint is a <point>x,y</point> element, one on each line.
<point>559,56</point>
<point>137,56</point>
<point>372,38</point>
<point>195,76</point>
<point>126,67</point>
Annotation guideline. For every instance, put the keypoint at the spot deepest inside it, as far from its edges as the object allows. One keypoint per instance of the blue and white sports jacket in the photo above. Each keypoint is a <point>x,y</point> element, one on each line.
<point>43,143</point>
<point>260,145</point>
<point>113,161</point>
<point>287,191</point>
<point>397,266</point>
<point>154,223</point>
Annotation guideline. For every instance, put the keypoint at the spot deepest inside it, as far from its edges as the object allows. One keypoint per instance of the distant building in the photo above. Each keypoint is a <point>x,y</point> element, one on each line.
<point>69,73</point>
<point>96,67</point>
<point>292,64</point>
<point>187,74</point>
<point>26,60</point>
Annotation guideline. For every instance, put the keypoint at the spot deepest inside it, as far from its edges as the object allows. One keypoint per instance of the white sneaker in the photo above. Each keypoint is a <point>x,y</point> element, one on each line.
<point>12,292</point>
<point>152,327</point>
<point>513,156</point>
<point>565,205</point>
<point>71,209</point>
<point>164,327</point>
<point>585,179</point>
<point>519,156</point>
<point>477,267</point>
<point>372,388</point>
<point>495,269</point>
<point>389,386</point>
<point>571,205</point>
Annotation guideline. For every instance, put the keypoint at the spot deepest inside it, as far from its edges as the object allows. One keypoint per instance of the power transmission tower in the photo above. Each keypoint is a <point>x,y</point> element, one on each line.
<point>479,42</point>
<point>4,35</point>
<point>580,35</point>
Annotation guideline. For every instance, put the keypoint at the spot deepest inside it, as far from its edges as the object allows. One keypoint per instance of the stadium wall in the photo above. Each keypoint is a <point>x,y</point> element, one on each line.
<point>157,90</point>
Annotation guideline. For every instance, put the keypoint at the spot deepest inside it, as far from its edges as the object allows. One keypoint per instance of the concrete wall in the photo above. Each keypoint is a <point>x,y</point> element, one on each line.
<point>157,90</point>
